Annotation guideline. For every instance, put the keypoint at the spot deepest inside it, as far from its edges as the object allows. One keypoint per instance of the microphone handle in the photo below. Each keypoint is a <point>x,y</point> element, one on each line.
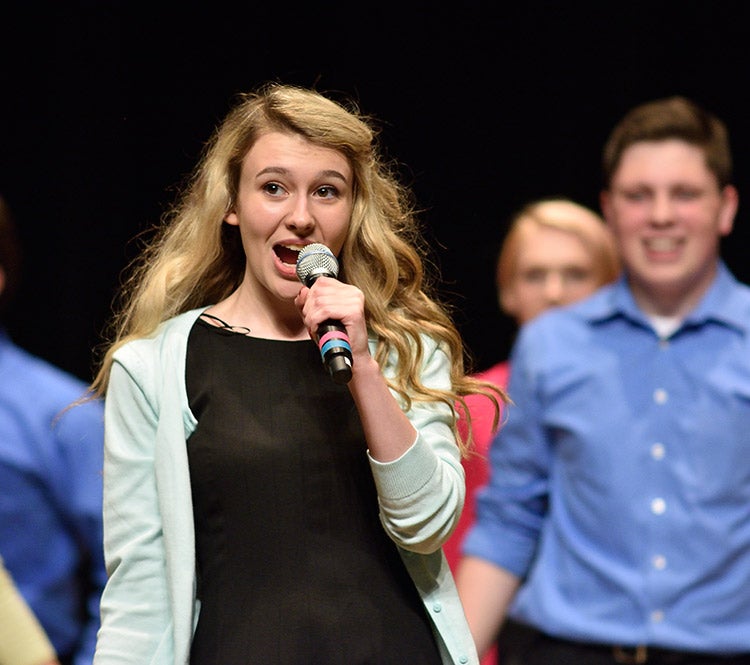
<point>335,350</point>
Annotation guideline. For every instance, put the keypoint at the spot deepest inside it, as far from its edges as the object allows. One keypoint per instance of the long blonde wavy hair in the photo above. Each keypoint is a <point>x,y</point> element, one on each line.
<point>197,260</point>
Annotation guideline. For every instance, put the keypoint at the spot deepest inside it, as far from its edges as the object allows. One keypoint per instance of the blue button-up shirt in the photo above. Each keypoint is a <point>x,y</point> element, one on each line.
<point>620,485</point>
<point>51,498</point>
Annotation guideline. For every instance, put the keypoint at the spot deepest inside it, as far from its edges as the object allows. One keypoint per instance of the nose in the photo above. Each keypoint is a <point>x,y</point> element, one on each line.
<point>301,219</point>
<point>661,213</point>
<point>554,288</point>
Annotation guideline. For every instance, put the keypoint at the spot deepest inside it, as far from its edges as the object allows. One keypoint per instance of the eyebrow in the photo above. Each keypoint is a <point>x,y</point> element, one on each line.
<point>327,173</point>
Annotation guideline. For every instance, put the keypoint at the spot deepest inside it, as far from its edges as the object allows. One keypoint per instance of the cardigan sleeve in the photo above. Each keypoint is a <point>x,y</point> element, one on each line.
<point>135,603</point>
<point>421,494</point>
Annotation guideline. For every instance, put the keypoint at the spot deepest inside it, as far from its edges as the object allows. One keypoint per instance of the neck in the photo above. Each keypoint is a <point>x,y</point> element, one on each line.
<point>675,300</point>
<point>277,320</point>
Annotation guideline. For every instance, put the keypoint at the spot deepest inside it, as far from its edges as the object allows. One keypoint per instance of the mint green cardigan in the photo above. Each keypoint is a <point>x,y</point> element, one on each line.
<point>149,607</point>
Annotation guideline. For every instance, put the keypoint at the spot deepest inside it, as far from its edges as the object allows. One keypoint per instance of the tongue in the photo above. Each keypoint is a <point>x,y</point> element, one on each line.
<point>286,255</point>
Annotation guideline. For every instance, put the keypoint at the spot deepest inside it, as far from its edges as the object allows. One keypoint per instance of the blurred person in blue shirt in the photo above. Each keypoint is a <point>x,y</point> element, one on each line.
<point>50,483</point>
<point>616,522</point>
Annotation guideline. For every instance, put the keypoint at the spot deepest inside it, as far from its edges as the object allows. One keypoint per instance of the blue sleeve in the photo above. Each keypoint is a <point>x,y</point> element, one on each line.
<point>511,508</point>
<point>79,434</point>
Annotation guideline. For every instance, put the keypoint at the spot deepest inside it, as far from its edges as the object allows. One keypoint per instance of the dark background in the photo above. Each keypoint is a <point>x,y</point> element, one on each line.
<point>105,106</point>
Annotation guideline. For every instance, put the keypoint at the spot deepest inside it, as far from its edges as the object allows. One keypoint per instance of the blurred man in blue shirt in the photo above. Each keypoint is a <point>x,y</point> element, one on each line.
<point>617,518</point>
<point>50,484</point>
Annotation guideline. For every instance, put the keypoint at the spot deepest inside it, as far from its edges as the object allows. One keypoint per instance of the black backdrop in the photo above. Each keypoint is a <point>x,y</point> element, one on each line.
<point>105,106</point>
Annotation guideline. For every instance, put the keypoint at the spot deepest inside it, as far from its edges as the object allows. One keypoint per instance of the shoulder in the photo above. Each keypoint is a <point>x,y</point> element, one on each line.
<point>429,348</point>
<point>497,374</point>
<point>38,393</point>
<point>167,343</point>
<point>142,364</point>
<point>738,297</point>
<point>435,362</point>
<point>563,336</point>
<point>571,322</point>
<point>432,352</point>
<point>28,376</point>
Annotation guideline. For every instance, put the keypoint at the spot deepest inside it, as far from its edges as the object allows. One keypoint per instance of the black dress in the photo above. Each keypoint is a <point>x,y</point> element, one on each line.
<point>294,566</point>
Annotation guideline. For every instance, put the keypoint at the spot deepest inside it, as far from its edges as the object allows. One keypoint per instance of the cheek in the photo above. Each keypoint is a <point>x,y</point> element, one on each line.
<point>629,228</point>
<point>257,222</point>
<point>579,290</point>
<point>530,309</point>
<point>627,218</point>
<point>706,221</point>
<point>337,232</point>
<point>626,235</point>
<point>529,302</point>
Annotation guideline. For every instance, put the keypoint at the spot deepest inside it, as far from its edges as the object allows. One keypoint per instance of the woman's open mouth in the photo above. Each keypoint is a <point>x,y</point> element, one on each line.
<point>288,254</point>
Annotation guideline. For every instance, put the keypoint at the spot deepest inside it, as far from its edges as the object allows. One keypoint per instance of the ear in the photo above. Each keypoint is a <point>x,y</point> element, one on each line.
<point>605,203</point>
<point>231,218</point>
<point>2,279</point>
<point>730,200</point>
<point>508,301</point>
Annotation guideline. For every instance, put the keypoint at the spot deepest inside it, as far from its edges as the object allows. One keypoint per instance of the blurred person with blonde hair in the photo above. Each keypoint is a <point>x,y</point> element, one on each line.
<point>555,252</point>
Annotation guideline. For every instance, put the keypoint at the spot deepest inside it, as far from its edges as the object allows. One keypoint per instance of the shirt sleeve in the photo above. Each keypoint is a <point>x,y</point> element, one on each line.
<point>79,439</point>
<point>511,507</point>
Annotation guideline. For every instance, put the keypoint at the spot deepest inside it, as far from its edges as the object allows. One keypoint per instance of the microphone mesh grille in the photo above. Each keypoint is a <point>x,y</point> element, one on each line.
<point>316,260</point>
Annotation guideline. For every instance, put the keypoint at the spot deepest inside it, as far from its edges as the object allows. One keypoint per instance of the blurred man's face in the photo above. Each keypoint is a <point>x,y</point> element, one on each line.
<point>668,215</point>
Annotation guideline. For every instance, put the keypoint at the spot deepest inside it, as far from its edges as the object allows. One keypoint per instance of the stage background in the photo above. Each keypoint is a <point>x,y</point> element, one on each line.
<point>105,107</point>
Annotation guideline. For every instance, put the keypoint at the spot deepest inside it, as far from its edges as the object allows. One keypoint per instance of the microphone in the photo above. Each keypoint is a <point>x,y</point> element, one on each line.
<point>314,261</point>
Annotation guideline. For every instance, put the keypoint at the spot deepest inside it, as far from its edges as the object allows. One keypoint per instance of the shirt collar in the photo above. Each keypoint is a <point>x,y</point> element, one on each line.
<point>723,303</point>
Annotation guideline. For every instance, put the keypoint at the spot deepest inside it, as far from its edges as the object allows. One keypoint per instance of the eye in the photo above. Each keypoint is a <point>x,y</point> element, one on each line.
<point>687,194</point>
<point>634,195</point>
<point>327,192</point>
<point>273,188</point>
<point>534,276</point>
<point>576,275</point>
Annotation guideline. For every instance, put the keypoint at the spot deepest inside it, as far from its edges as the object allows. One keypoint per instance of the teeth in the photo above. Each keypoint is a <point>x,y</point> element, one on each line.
<point>662,244</point>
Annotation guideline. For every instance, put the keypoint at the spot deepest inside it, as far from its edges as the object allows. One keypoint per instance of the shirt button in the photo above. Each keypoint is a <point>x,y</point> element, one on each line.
<point>657,616</point>
<point>660,396</point>
<point>659,562</point>
<point>463,659</point>
<point>657,451</point>
<point>658,506</point>
<point>437,607</point>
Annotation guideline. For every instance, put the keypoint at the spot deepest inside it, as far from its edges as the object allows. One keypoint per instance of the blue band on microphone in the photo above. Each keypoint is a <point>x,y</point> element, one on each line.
<point>336,343</point>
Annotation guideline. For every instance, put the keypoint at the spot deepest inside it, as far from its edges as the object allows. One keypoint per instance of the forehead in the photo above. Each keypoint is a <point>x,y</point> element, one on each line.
<point>656,162</point>
<point>550,246</point>
<point>293,151</point>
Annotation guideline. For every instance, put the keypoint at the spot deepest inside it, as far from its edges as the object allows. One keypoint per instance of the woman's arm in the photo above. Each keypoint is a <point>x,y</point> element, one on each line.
<point>414,456</point>
<point>22,638</point>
